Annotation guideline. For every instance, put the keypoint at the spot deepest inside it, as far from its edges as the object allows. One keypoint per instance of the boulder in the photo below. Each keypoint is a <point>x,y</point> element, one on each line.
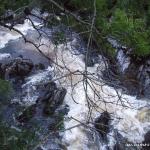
<point>146,141</point>
<point>46,91</point>
<point>54,101</point>
<point>39,66</point>
<point>144,78</point>
<point>122,143</point>
<point>27,114</point>
<point>102,124</point>
<point>18,67</point>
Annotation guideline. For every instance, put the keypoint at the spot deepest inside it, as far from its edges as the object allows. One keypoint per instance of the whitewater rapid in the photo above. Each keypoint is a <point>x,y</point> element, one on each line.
<point>132,124</point>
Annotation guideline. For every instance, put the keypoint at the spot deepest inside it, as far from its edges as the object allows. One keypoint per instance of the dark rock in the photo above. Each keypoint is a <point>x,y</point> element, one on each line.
<point>59,96</point>
<point>27,114</point>
<point>90,62</point>
<point>46,91</point>
<point>147,137</point>
<point>54,101</point>
<point>27,11</point>
<point>2,73</point>
<point>144,79</point>
<point>146,141</point>
<point>17,67</point>
<point>39,66</point>
<point>136,78</point>
<point>9,15</point>
<point>63,110</point>
<point>102,124</point>
<point>122,143</point>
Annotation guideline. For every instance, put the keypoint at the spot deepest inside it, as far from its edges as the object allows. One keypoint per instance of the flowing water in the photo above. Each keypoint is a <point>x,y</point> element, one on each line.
<point>133,114</point>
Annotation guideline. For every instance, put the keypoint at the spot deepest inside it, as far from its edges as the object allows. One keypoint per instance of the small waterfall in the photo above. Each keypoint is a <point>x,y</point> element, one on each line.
<point>129,109</point>
<point>122,58</point>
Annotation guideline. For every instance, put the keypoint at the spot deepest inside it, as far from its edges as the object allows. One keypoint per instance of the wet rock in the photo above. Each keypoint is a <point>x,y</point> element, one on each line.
<point>54,101</point>
<point>46,91</point>
<point>39,66</point>
<point>27,114</point>
<point>146,141</point>
<point>136,78</point>
<point>2,73</point>
<point>18,67</point>
<point>134,71</point>
<point>147,137</point>
<point>9,15</point>
<point>102,124</point>
<point>122,143</point>
<point>62,110</point>
<point>90,62</point>
<point>144,78</point>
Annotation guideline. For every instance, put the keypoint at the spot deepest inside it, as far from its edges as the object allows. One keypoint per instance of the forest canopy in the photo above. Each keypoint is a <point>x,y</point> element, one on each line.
<point>128,21</point>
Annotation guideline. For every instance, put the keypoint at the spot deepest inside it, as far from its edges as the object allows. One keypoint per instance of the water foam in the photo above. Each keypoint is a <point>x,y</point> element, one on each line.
<point>7,35</point>
<point>129,125</point>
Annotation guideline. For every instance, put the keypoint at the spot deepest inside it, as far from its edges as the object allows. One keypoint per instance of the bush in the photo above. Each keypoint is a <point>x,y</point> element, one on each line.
<point>131,32</point>
<point>14,139</point>
<point>5,89</point>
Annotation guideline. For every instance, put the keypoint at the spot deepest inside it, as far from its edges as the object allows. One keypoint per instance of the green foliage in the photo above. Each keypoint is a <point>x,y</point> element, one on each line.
<point>128,21</point>
<point>131,32</point>
<point>5,89</point>
<point>13,139</point>
<point>12,4</point>
<point>59,37</point>
<point>86,4</point>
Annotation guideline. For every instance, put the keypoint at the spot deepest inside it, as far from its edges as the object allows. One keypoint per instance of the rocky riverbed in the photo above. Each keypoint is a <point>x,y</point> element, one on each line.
<point>46,100</point>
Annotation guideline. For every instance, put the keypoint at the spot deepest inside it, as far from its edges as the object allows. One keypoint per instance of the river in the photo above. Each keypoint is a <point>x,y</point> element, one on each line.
<point>130,116</point>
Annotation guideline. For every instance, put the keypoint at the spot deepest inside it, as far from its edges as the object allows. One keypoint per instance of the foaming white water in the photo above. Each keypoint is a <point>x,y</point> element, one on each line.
<point>128,108</point>
<point>5,56</point>
<point>29,89</point>
<point>7,35</point>
<point>124,61</point>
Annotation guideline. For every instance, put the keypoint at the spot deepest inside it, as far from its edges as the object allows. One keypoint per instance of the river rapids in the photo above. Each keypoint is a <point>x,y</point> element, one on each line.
<point>130,116</point>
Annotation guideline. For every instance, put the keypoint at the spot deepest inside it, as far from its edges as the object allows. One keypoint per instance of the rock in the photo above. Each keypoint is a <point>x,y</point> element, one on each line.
<point>9,15</point>
<point>39,66</point>
<point>17,67</point>
<point>146,141</point>
<point>144,79</point>
<point>62,110</point>
<point>50,97</point>
<point>90,62</point>
<point>147,137</point>
<point>54,101</point>
<point>102,124</point>
<point>46,91</point>
<point>2,73</point>
<point>122,143</point>
<point>27,114</point>
<point>59,96</point>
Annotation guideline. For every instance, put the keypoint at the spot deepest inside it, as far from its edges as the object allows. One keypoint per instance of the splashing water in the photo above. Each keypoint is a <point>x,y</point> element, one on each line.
<point>6,35</point>
<point>123,60</point>
<point>131,126</point>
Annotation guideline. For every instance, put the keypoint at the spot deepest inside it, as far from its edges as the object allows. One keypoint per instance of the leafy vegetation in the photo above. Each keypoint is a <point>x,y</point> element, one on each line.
<point>131,32</point>
<point>12,4</point>
<point>16,139</point>
<point>5,89</point>
<point>128,21</point>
